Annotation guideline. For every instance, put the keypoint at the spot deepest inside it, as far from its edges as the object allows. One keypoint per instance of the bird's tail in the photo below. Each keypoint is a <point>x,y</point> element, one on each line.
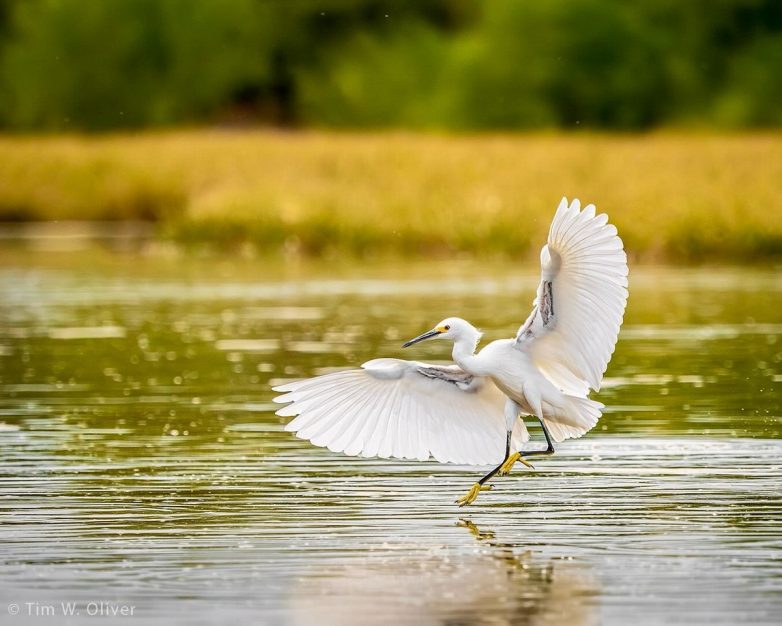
<point>574,417</point>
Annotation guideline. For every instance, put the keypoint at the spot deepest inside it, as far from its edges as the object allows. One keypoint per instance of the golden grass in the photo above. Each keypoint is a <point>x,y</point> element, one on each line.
<point>672,196</point>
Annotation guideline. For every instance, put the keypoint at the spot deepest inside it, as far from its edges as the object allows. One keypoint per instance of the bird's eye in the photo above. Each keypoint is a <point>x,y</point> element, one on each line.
<point>447,327</point>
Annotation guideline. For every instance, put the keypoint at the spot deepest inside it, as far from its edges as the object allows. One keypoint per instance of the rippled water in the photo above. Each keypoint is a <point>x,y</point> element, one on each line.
<point>143,465</point>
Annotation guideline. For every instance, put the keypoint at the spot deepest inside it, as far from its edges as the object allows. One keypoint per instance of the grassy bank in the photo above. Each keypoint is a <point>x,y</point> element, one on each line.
<point>673,196</point>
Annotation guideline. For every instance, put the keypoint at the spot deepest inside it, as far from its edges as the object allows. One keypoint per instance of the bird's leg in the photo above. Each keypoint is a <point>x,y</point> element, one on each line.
<point>472,494</point>
<point>481,485</point>
<point>550,447</point>
<point>550,444</point>
<point>512,413</point>
<point>507,466</point>
<point>510,459</point>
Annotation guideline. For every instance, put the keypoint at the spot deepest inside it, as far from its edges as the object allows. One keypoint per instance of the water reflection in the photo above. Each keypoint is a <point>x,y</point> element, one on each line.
<point>495,584</point>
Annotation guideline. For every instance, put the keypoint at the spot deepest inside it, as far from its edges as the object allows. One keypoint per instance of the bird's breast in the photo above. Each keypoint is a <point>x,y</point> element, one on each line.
<point>507,366</point>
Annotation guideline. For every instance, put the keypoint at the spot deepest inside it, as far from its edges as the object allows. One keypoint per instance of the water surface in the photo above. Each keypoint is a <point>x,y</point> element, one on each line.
<point>143,465</point>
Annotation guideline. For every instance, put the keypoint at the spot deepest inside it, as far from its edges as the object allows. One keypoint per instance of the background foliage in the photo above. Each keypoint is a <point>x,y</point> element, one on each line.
<point>460,64</point>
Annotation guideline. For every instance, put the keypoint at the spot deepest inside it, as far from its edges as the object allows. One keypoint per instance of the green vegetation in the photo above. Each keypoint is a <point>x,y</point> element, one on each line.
<point>673,196</point>
<point>439,66</point>
<point>434,64</point>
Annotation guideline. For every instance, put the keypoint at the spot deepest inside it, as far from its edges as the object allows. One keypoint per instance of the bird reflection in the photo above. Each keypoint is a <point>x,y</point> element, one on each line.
<point>496,584</point>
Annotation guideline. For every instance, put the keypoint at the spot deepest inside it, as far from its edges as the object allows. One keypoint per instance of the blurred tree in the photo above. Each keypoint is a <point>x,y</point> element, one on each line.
<point>420,63</point>
<point>120,63</point>
<point>6,10</point>
<point>753,90</point>
<point>391,85</point>
<point>566,63</point>
<point>701,42</point>
<point>323,46</point>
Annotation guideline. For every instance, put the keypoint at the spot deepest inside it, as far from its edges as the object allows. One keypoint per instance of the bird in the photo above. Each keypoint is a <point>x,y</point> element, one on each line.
<point>472,412</point>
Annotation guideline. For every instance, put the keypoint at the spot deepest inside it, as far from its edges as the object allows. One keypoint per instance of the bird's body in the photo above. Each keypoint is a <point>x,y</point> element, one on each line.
<point>513,372</point>
<point>469,412</point>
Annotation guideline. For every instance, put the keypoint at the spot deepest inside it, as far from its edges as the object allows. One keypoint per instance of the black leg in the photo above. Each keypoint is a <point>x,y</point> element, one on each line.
<point>549,448</point>
<point>497,469</point>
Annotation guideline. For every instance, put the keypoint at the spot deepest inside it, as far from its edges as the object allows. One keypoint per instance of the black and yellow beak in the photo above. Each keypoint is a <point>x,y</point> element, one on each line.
<point>427,335</point>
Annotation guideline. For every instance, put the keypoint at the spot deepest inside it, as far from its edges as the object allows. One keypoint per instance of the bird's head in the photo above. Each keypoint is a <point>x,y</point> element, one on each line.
<point>453,328</point>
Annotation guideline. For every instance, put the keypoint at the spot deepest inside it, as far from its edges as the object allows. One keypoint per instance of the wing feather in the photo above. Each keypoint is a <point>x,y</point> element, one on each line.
<point>584,284</point>
<point>391,407</point>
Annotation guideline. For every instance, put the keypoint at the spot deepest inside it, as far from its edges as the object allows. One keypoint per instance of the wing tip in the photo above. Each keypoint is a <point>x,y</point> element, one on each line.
<point>289,410</point>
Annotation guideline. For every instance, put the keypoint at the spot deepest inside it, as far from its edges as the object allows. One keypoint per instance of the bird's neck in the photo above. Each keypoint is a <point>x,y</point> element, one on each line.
<point>464,351</point>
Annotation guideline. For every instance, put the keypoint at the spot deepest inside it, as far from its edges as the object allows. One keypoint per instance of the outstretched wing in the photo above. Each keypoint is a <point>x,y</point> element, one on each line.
<point>574,324</point>
<point>402,409</point>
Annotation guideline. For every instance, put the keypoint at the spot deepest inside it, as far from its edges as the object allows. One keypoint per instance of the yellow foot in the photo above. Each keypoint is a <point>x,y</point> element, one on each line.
<point>470,496</point>
<point>506,467</point>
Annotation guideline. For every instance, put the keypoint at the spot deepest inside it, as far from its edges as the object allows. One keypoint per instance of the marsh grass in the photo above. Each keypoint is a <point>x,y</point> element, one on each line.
<point>677,197</point>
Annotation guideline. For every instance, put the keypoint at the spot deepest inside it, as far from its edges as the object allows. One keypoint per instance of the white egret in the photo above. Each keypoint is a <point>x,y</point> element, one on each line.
<point>470,412</point>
